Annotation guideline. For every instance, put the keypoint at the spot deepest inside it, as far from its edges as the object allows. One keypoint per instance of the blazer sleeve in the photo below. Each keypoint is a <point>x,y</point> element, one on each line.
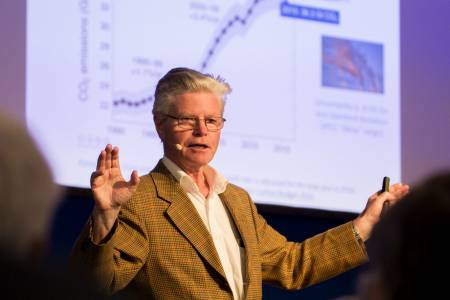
<point>297,265</point>
<point>115,262</point>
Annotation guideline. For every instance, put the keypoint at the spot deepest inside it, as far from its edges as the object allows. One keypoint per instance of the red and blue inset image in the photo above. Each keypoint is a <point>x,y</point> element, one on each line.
<point>352,64</point>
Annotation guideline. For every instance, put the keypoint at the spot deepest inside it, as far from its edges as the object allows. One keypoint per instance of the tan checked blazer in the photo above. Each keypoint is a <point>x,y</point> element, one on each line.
<point>161,249</point>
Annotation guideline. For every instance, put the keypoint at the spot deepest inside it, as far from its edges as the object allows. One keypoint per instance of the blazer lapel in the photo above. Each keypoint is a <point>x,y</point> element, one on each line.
<point>185,217</point>
<point>231,201</point>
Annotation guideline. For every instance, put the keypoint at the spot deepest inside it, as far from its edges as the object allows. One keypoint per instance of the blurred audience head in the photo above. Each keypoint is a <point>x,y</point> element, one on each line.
<point>28,194</point>
<point>408,256</point>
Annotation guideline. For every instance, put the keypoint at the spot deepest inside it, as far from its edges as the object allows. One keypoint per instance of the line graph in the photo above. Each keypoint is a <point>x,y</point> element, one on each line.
<point>234,21</point>
<point>130,103</point>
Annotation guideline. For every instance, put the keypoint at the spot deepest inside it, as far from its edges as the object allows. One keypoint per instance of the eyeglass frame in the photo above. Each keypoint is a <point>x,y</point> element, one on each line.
<point>197,120</point>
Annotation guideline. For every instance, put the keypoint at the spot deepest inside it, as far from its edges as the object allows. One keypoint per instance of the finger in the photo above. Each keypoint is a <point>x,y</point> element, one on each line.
<point>400,190</point>
<point>398,194</point>
<point>383,198</point>
<point>101,161</point>
<point>376,201</point>
<point>374,196</point>
<point>115,158</point>
<point>405,190</point>
<point>398,187</point>
<point>134,179</point>
<point>391,201</point>
<point>108,150</point>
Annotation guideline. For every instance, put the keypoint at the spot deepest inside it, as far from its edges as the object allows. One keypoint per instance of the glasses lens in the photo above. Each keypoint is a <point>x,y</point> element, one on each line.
<point>186,123</point>
<point>212,123</point>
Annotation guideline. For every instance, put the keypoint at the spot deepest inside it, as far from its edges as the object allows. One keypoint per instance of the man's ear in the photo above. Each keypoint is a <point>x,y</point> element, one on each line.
<point>159,126</point>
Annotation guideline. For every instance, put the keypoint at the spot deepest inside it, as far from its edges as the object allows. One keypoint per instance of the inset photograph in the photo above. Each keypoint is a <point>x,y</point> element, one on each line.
<point>352,64</point>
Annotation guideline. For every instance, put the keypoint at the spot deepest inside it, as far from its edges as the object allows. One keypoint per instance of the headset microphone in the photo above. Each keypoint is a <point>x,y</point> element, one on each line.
<point>179,147</point>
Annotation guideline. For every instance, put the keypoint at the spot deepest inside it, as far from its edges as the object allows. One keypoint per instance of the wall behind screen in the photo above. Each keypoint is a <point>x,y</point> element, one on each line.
<point>425,86</point>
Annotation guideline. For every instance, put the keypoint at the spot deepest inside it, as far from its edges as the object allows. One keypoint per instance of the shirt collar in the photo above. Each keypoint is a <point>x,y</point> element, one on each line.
<point>216,181</point>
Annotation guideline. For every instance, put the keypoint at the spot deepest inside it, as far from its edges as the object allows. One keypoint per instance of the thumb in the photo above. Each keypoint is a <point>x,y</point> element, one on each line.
<point>134,180</point>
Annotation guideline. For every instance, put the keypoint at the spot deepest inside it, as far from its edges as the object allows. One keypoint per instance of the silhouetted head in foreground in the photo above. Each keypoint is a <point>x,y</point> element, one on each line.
<point>409,259</point>
<point>28,201</point>
<point>28,194</point>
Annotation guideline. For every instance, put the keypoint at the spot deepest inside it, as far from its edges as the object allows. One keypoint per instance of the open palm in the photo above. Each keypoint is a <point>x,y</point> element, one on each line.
<point>109,188</point>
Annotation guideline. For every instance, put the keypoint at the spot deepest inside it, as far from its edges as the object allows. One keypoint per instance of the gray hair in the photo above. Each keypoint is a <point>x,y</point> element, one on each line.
<point>182,80</point>
<point>29,195</point>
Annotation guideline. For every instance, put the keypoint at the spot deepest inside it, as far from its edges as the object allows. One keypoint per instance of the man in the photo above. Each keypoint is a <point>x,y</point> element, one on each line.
<point>184,232</point>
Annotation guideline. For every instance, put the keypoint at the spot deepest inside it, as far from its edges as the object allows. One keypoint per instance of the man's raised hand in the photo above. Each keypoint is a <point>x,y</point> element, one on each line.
<point>110,191</point>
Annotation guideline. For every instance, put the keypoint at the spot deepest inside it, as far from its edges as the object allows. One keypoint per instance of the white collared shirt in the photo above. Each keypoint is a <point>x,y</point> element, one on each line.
<point>217,221</point>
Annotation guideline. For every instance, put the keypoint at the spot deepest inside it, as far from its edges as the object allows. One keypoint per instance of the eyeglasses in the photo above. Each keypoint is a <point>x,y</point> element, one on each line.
<point>211,123</point>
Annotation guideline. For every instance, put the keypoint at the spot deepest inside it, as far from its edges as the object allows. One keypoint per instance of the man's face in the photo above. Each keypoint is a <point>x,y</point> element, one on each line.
<point>198,144</point>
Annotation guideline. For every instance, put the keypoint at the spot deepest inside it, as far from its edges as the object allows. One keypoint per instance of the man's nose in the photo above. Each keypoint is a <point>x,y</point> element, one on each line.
<point>200,127</point>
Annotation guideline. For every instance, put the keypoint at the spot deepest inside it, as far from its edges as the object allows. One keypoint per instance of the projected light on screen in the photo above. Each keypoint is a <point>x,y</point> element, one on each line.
<point>313,119</point>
